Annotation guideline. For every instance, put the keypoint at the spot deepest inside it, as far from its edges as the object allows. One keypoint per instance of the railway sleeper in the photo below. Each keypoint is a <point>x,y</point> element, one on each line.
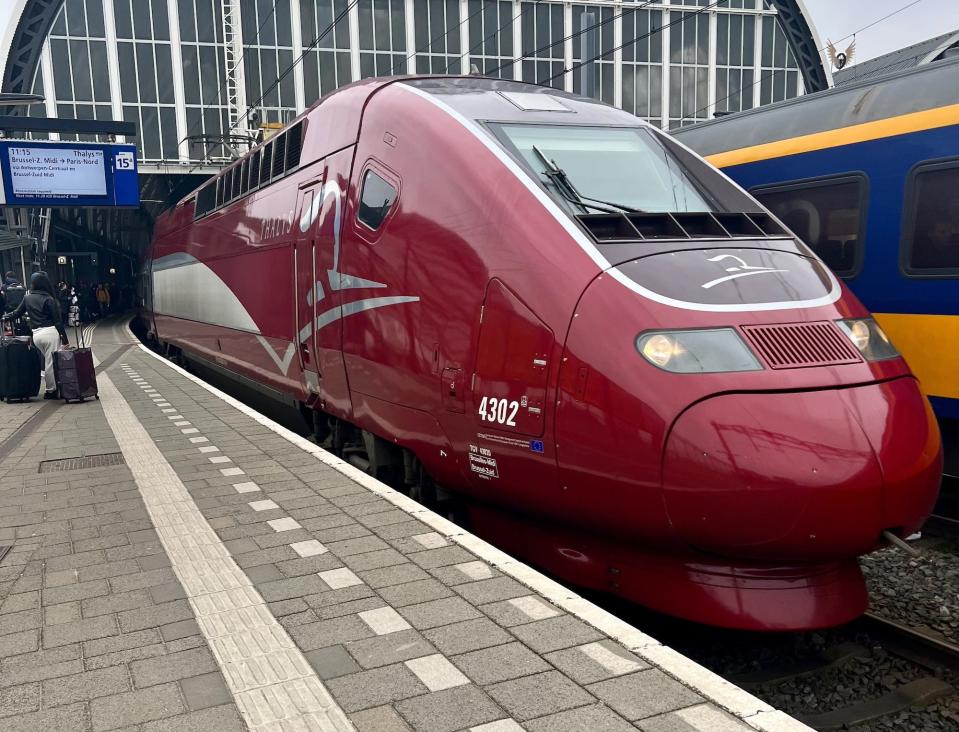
<point>920,692</point>
<point>833,657</point>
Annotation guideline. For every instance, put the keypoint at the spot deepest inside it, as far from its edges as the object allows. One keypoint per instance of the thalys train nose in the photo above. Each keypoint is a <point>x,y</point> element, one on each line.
<point>802,475</point>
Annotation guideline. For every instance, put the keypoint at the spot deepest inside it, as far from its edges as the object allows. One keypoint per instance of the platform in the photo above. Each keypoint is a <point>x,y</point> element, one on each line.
<point>180,562</point>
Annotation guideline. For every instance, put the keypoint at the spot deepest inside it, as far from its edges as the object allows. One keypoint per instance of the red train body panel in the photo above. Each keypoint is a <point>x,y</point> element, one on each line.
<point>491,328</point>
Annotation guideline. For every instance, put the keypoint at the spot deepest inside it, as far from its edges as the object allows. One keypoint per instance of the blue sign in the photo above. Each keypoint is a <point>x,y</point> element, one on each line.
<point>41,173</point>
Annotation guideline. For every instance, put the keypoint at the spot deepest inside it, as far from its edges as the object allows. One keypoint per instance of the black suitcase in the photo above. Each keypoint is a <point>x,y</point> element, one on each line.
<point>75,374</point>
<point>20,367</point>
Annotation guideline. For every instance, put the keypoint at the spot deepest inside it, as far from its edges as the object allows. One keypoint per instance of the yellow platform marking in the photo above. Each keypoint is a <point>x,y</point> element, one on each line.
<point>930,344</point>
<point>928,119</point>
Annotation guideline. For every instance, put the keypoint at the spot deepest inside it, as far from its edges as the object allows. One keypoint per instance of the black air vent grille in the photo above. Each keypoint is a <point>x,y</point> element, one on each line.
<point>615,227</point>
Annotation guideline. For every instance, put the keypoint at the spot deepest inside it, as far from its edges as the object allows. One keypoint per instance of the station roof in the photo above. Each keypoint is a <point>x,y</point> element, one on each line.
<point>918,54</point>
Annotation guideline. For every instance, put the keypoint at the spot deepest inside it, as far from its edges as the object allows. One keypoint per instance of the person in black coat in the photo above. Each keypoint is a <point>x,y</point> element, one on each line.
<point>42,307</point>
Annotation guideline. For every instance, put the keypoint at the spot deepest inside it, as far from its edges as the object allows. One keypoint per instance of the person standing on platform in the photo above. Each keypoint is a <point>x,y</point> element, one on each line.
<point>11,293</point>
<point>47,324</point>
<point>103,299</point>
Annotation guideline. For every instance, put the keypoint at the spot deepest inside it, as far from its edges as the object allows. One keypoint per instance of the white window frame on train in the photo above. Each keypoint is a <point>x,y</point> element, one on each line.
<point>909,214</point>
<point>859,177</point>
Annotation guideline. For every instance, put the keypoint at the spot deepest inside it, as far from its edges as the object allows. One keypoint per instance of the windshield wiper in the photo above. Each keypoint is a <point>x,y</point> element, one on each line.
<point>567,190</point>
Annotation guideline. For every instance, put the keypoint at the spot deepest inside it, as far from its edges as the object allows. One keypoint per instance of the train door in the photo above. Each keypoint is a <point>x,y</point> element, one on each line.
<point>305,279</point>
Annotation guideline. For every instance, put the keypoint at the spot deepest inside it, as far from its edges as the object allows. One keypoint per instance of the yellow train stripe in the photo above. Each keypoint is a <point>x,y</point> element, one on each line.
<point>930,344</point>
<point>928,119</point>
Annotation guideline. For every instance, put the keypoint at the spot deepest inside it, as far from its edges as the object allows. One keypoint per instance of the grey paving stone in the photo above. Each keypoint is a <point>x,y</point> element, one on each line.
<point>348,608</point>
<point>135,707</point>
<point>72,717</point>
<point>384,518</point>
<point>109,569</point>
<point>508,614</point>
<point>264,573</point>
<point>114,603</point>
<point>155,615</point>
<point>467,636</point>
<point>80,630</point>
<point>167,592</point>
<point>66,612</point>
<point>85,686</point>
<point>79,591</point>
<point>120,643</point>
<point>451,709</point>
<point>491,590</point>
<point>373,688</point>
<point>338,597</point>
<point>390,648</point>
<point>20,601</point>
<point>205,690</point>
<point>553,634</point>
<point>693,719</point>
<point>280,608</point>
<point>379,719</point>
<point>374,560</point>
<point>330,632</point>
<point>61,578</point>
<point>584,719</point>
<point>583,669</point>
<point>331,662</point>
<point>122,658</point>
<point>139,581</point>
<point>307,565</point>
<point>393,575</point>
<point>535,696</point>
<point>413,593</point>
<point>40,665</point>
<point>23,620</point>
<point>499,663</point>
<point>15,700</point>
<point>172,666</point>
<point>441,557</point>
<point>644,694</point>
<point>180,629</point>
<point>286,588</point>
<point>439,612</point>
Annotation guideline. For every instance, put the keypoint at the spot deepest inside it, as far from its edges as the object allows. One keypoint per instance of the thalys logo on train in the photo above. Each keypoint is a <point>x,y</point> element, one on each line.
<point>742,270</point>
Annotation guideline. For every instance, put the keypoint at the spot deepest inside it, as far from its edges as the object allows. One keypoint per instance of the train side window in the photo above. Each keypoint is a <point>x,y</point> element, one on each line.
<point>931,221</point>
<point>255,170</point>
<point>829,215</point>
<point>244,177</point>
<point>376,199</point>
<point>219,191</point>
<point>279,155</point>
<point>205,200</point>
<point>267,163</point>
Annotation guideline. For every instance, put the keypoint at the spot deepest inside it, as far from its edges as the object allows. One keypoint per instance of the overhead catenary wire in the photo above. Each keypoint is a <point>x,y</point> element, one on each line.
<point>769,75</point>
<point>429,44</point>
<point>524,8</point>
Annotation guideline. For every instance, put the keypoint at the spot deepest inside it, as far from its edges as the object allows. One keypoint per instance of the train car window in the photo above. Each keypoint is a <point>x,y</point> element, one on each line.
<point>267,165</point>
<point>244,177</point>
<point>230,193</point>
<point>375,201</point>
<point>294,142</point>
<point>205,200</point>
<point>931,221</point>
<point>219,191</point>
<point>255,170</point>
<point>829,215</point>
<point>279,155</point>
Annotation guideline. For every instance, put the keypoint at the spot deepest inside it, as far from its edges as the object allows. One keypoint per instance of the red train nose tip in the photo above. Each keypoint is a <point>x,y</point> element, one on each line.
<point>804,475</point>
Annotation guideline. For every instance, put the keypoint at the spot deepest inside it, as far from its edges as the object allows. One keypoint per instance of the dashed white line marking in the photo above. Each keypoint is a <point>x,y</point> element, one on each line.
<point>163,404</point>
<point>431,540</point>
<point>195,440</point>
<point>174,416</point>
<point>612,662</point>
<point>228,472</point>
<point>337,579</point>
<point>475,570</point>
<point>248,487</point>
<point>262,505</point>
<point>190,431</point>
<point>500,725</point>
<point>208,448</point>
<point>165,411</point>
<point>533,608</point>
<point>269,678</point>
<point>220,459</point>
<point>709,719</point>
<point>181,423</point>
<point>308,548</point>
<point>436,672</point>
<point>384,620</point>
<point>284,524</point>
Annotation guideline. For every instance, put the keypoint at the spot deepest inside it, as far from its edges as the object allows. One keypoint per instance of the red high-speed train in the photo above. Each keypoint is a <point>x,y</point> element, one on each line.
<point>626,369</point>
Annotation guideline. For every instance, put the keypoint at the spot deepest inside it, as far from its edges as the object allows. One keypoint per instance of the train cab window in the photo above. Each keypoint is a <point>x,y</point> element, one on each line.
<point>931,223</point>
<point>828,215</point>
<point>375,201</point>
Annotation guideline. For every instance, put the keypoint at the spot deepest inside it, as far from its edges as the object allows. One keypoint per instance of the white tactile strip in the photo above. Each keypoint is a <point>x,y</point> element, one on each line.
<point>273,685</point>
<point>755,712</point>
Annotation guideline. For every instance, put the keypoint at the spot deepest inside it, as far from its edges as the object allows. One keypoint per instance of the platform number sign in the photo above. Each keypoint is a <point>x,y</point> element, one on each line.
<point>124,161</point>
<point>498,411</point>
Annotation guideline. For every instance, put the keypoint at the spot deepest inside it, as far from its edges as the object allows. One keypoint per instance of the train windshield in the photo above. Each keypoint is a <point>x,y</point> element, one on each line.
<point>607,168</point>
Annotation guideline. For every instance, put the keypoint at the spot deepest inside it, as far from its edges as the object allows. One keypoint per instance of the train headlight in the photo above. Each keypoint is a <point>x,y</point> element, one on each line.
<point>869,339</point>
<point>697,351</point>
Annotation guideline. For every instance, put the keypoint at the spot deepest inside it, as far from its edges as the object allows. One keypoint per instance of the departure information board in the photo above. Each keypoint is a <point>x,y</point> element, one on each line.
<point>40,173</point>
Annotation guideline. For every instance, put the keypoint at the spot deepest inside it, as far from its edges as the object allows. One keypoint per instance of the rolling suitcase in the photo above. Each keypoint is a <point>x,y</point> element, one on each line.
<point>20,368</point>
<point>75,373</point>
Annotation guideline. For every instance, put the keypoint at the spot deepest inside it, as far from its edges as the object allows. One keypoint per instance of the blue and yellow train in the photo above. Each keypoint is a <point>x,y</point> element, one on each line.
<point>868,175</point>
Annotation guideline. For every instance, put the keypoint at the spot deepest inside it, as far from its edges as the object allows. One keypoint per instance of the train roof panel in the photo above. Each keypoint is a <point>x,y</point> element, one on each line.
<point>850,104</point>
<point>481,98</point>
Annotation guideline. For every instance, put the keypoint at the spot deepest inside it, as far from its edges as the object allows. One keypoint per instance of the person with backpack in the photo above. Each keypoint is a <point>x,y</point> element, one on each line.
<point>103,299</point>
<point>41,305</point>
<point>11,292</point>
